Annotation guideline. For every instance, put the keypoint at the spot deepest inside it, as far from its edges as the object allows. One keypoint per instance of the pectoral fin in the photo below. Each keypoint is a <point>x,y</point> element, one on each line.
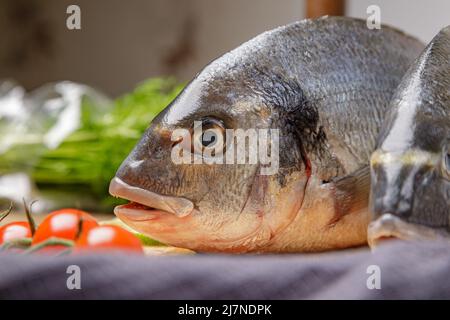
<point>351,193</point>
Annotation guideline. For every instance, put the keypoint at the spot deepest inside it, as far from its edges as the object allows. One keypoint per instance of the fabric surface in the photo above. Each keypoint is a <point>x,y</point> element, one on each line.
<point>408,271</point>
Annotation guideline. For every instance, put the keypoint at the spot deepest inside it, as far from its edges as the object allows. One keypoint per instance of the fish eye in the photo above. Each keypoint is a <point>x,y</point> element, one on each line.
<point>210,137</point>
<point>446,162</point>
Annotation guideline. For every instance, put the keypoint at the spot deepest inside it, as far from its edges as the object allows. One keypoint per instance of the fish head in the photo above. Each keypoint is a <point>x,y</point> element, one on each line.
<point>410,170</point>
<point>310,193</point>
<point>410,195</point>
<point>182,196</point>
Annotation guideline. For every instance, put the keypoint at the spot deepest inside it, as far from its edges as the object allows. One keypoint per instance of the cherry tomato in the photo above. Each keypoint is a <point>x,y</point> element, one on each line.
<point>14,230</point>
<point>108,238</point>
<point>63,224</point>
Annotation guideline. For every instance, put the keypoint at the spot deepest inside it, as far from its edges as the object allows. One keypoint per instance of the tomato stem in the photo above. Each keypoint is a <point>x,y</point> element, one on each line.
<point>80,228</point>
<point>4,214</point>
<point>29,216</point>
<point>21,243</point>
<point>50,242</point>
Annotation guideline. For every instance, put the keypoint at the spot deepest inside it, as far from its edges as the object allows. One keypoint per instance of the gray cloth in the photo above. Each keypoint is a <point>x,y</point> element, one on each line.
<point>408,270</point>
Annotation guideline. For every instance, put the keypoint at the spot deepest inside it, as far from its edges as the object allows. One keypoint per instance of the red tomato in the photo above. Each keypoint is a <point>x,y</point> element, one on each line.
<point>109,238</point>
<point>63,224</point>
<point>14,230</point>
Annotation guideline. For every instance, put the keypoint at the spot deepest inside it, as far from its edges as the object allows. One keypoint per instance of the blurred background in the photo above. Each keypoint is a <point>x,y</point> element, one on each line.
<point>73,103</point>
<point>121,44</point>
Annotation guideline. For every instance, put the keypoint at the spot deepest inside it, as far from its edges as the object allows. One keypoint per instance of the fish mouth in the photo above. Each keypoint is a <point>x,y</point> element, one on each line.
<point>388,226</point>
<point>146,205</point>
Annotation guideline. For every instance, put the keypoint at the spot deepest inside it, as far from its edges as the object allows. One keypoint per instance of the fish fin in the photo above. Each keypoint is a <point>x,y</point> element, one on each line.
<point>351,193</point>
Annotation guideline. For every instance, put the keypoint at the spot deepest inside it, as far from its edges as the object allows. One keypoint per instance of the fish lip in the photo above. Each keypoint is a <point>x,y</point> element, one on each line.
<point>177,206</point>
<point>391,226</point>
<point>138,215</point>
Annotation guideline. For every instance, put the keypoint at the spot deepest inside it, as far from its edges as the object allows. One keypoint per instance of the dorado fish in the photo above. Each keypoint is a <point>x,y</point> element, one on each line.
<point>324,85</point>
<point>410,194</point>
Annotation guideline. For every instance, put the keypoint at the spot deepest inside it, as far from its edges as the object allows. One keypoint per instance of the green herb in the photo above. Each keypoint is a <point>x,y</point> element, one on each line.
<point>147,241</point>
<point>88,158</point>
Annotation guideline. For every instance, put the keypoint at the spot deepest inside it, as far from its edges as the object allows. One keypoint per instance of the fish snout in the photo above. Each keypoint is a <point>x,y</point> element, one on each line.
<point>149,160</point>
<point>389,226</point>
<point>400,182</point>
<point>382,228</point>
<point>397,179</point>
<point>405,200</point>
<point>407,205</point>
<point>145,204</point>
<point>390,192</point>
<point>391,203</point>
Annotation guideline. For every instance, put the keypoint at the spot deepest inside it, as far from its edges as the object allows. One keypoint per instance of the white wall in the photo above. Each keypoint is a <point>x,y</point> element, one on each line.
<point>121,43</point>
<point>421,18</point>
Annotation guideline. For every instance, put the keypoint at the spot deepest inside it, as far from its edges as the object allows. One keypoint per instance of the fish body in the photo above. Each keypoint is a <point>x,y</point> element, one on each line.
<point>325,85</point>
<point>410,196</point>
